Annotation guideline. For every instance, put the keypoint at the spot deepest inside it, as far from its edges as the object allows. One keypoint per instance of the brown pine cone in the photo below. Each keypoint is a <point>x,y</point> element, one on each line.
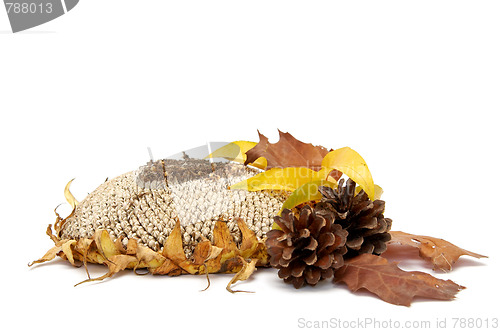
<point>307,249</point>
<point>362,218</point>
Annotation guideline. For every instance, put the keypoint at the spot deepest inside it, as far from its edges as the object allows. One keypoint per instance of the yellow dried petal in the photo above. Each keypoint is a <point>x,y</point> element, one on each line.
<point>246,271</point>
<point>66,249</point>
<point>69,196</point>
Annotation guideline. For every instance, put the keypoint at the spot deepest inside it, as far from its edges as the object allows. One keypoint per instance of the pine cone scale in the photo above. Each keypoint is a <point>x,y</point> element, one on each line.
<point>317,225</point>
<point>325,262</point>
<point>304,219</point>
<point>361,207</point>
<point>313,276</point>
<point>297,282</point>
<point>287,253</point>
<point>281,224</point>
<point>338,260</point>
<point>297,270</point>
<point>340,240</point>
<point>328,273</point>
<point>326,191</point>
<point>326,240</point>
<point>311,259</point>
<point>366,222</point>
<point>273,237</point>
<point>304,233</point>
<point>378,207</point>
<point>313,245</point>
<point>367,248</point>
<point>274,260</point>
<point>355,243</point>
<point>285,272</point>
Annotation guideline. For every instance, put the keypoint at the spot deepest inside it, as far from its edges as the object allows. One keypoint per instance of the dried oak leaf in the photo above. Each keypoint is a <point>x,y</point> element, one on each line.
<point>288,152</point>
<point>390,283</point>
<point>441,253</point>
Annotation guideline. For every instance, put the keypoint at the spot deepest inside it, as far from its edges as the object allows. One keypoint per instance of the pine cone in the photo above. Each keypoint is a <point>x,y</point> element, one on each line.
<point>307,249</point>
<point>363,219</point>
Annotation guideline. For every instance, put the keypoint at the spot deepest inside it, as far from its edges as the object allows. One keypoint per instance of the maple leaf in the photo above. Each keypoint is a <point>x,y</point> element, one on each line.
<point>288,152</point>
<point>390,283</point>
<point>441,253</point>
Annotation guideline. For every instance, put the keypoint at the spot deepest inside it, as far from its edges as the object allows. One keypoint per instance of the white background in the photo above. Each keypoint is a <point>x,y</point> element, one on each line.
<point>411,85</point>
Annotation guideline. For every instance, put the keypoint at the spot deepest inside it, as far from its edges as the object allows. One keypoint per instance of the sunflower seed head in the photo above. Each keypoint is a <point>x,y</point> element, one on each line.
<point>145,204</point>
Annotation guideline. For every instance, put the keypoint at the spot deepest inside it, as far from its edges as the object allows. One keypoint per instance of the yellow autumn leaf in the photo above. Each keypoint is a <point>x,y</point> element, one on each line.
<point>69,196</point>
<point>378,191</point>
<point>353,165</point>
<point>306,193</point>
<point>236,151</point>
<point>289,179</point>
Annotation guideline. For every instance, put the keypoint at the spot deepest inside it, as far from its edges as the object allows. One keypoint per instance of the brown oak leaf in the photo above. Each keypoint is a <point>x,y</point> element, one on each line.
<point>288,152</point>
<point>441,253</point>
<point>390,283</point>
